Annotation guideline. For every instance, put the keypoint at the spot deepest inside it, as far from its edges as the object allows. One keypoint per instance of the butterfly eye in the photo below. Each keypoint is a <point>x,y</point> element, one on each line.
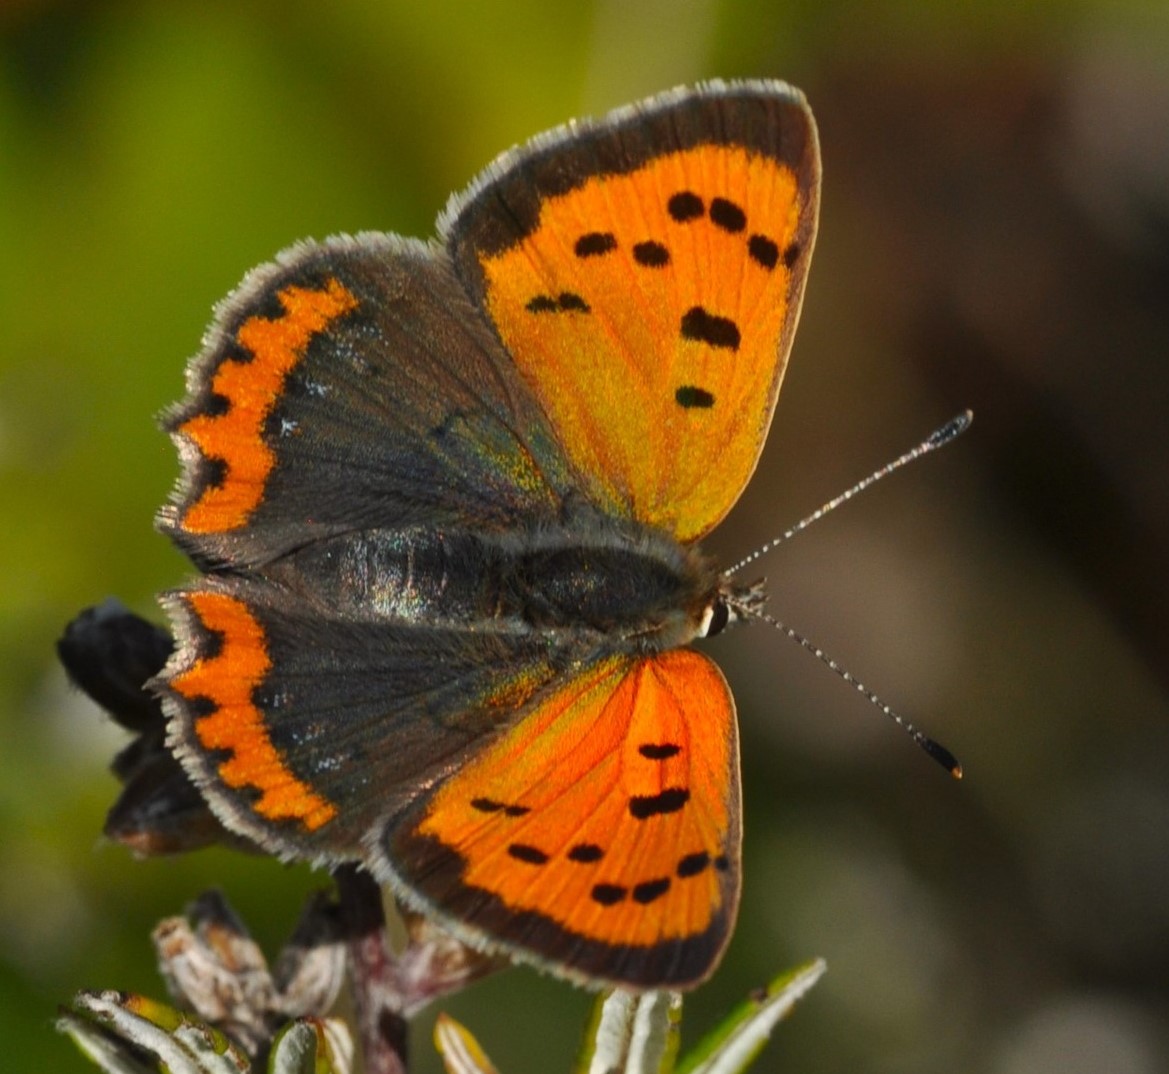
<point>714,619</point>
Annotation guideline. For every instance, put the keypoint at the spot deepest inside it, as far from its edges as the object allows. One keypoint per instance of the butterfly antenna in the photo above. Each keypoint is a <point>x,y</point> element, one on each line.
<point>935,749</point>
<point>939,438</point>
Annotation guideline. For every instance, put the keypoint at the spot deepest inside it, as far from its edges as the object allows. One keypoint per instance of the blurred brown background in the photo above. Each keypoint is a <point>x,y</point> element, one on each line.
<point>995,234</point>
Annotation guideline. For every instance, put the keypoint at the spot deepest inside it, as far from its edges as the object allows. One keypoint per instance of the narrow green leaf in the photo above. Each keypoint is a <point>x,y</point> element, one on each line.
<point>106,1051</point>
<point>733,1045</point>
<point>114,1029</point>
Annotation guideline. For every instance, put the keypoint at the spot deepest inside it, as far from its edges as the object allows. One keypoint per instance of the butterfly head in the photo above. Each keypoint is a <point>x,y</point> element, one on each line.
<point>732,603</point>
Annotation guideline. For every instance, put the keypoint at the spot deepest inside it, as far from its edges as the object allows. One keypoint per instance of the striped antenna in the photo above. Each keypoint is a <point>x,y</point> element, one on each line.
<point>938,438</point>
<point>751,610</point>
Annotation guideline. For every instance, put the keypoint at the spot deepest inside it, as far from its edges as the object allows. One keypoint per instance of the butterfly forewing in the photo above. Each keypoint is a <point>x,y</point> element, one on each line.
<point>646,275</point>
<point>352,386</point>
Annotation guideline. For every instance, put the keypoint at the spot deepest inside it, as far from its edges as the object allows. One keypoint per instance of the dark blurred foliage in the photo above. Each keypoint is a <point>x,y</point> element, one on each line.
<point>995,234</point>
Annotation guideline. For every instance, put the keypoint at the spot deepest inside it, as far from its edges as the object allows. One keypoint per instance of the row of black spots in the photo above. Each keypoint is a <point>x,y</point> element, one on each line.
<point>644,893</point>
<point>686,206</point>
<point>729,217</point>
<point>765,252</point>
<point>582,853</point>
<point>611,894</point>
<point>490,805</point>
<point>698,323</point>
<point>649,254</point>
<point>697,863</point>
<point>565,302</point>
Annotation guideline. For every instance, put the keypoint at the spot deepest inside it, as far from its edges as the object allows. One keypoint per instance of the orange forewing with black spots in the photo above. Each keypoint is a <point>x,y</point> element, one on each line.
<point>676,307</point>
<point>650,294</point>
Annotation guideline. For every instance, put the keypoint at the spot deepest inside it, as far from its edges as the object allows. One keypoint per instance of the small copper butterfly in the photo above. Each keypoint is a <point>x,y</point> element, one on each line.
<point>445,497</point>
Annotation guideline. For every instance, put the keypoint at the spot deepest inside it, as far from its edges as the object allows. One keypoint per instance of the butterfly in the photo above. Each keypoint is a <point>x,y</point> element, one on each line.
<point>445,498</point>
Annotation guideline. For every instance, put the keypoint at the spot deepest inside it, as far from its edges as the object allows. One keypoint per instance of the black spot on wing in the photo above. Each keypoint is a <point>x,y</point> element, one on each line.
<point>212,472</point>
<point>658,751</point>
<point>649,890</point>
<point>200,706</point>
<point>651,254</point>
<point>792,254</point>
<point>570,301</point>
<point>595,243</point>
<point>685,205</point>
<point>585,853</point>
<point>763,251</point>
<point>693,864</point>
<point>706,327</point>
<point>727,215</point>
<point>641,807</point>
<point>214,405</point>
<point>531,855</point>
<point>609,894</point>
<point>689,396</point>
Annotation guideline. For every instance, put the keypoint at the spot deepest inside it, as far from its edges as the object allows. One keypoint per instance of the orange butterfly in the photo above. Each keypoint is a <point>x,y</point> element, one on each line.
<point>445,496</point>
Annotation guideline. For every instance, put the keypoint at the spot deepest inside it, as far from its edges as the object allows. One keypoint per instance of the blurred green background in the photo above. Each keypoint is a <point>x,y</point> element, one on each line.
<point>995,234</point>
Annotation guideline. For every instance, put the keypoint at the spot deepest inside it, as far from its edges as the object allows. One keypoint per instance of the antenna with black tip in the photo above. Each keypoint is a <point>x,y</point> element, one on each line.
<point>939,438</point>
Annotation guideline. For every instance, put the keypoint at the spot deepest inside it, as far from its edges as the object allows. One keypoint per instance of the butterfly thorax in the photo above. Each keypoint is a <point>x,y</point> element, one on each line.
<point>635,586</point>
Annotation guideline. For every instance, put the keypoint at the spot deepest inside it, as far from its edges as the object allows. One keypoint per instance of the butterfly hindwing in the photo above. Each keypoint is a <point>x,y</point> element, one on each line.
<point>646,274</point>
<point>306,730</point>
<point>601,831</point>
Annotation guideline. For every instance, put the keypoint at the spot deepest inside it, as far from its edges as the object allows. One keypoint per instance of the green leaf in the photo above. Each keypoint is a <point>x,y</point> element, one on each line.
<point>733,1046</point>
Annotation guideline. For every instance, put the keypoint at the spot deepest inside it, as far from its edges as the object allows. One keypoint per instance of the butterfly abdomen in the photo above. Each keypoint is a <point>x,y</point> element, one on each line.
<point>626,585</point>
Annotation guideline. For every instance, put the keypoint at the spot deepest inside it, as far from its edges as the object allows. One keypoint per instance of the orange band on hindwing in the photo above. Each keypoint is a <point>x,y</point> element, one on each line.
<point>251,390</point>
<point>236,725</point>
